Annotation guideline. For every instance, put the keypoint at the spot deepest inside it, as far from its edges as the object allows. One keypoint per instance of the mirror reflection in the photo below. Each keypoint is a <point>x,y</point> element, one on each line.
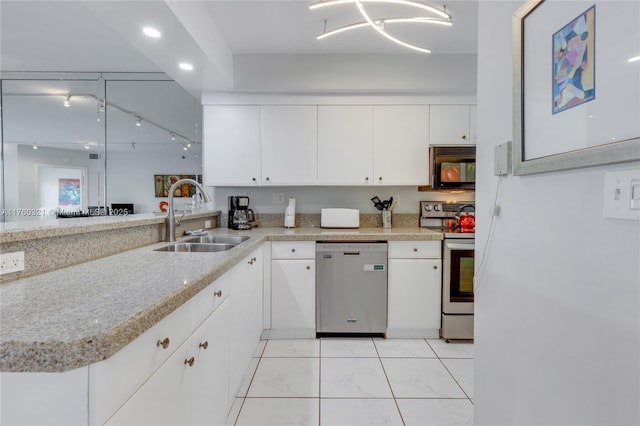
<point>73,147</point>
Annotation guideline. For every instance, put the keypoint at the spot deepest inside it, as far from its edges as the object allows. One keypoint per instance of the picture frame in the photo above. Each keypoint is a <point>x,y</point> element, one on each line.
<point>162,184</point>
<point>604,129</point>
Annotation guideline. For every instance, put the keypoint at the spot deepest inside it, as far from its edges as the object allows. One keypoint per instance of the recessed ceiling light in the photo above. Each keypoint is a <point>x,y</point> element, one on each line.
<point>634,59</point>
<point>151,32</point>
<point>185,66</point>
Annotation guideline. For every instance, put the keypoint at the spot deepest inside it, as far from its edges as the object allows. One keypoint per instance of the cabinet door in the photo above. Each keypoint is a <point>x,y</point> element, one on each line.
<point>289,147</point>
<point>414,294</point>
<point>211,400</point>
<point>231,145</point>
<point>293,296</point>
<point>246,322</point>
<point>401,145</point>
<point>345,145</point>
<point>449,124</point>
<point>164,399</point>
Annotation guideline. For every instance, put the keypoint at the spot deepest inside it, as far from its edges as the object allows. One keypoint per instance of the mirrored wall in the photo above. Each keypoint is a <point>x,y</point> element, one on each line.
<point>79,144</point>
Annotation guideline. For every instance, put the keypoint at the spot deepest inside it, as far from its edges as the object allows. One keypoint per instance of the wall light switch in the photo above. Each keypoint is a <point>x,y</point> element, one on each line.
<point>622,195</point>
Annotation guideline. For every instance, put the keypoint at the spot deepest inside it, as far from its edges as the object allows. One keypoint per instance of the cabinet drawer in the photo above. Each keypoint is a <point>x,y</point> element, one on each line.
<point>114,380</point>
<point>293,250</point>
<point>414,249</point>
<point>211,297</point>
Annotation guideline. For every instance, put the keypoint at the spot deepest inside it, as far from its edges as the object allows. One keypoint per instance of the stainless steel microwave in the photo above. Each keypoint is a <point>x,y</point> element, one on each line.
<point>453,166</point>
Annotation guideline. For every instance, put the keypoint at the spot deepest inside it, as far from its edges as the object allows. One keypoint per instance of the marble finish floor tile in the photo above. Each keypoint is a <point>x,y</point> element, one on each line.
<point>436,412</point>
<point>279,411</point>
<point>462,371</point>
<point>357,381</point>
<point>248,377</point>
<point>292,348</point>
<point>452,349</point>
<point>286,377</point>
<point>403,348</point>
<point>420,378</point>
<point>359,412</point>
<point>348,348</point>
<point>260,348</point>
<point>353,378</point>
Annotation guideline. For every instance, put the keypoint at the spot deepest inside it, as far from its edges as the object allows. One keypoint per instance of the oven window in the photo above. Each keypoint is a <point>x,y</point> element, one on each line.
<point>462,269</point>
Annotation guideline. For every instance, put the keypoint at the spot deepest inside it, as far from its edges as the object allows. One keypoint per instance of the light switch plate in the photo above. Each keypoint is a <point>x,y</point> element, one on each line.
<point>502,159</point>
<point>622,195</point>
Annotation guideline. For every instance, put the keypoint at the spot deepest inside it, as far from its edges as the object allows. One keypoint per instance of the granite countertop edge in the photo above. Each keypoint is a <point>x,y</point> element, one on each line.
<point>48,325</point>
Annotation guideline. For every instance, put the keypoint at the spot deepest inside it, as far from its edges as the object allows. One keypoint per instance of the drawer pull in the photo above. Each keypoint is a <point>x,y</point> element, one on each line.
<point>189,361</point>
<point>217,293</point>
<point>435,266</point>
<point>308,267</point>
<point>293,250</point>
<point>204,345</point>
<point>164,343</point>
<point>415,250</point>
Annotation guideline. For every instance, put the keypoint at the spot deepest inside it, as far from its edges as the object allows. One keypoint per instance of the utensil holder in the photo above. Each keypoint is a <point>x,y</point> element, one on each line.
<point>386,219</point>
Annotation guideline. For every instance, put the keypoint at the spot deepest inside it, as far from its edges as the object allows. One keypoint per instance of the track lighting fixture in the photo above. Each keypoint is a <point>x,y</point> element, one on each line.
<point>86,146</point>
<point>173,136</point>
<point>35,146</point>
<point>185,147</point>
<point>66,102</point>
<point>138,122</point>
<point>133,145</point>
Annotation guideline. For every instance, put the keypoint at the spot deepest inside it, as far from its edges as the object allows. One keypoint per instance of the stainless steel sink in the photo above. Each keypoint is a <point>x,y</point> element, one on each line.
<point>217,239</point>
<point>196,247</point>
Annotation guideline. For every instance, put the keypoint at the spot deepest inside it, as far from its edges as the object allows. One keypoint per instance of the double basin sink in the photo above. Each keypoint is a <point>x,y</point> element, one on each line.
<point>205,243</point>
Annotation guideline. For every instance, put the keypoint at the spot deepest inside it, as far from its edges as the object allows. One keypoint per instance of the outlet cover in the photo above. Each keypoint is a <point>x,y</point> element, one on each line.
<point>11,262</point>
<point>277,198</point>
<point>502,159</point>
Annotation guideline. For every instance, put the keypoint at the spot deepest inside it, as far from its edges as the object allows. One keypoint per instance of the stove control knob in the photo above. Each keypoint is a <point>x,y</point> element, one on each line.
<point>437,207</point>
<point>427,207</point>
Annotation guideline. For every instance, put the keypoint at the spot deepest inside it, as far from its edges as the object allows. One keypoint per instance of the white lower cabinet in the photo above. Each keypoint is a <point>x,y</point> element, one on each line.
<point>293,290</point>
<point>415,281</point>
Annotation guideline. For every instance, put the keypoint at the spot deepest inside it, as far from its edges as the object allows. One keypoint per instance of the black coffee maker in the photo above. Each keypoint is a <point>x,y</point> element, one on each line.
<point>240,215</point>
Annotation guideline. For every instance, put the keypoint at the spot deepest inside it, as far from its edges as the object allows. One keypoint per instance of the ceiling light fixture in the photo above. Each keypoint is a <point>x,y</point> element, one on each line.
<point>634,59</point>
<point>185,147</point>
<point>442,18</point>
<point>138,122</point>
<point>66,102</point>
<point>133,145</point>
<point>151,32</point>
<point>173,136</point>
<point>35,146</point>
<point>86,146</point>
<point>185,66</point>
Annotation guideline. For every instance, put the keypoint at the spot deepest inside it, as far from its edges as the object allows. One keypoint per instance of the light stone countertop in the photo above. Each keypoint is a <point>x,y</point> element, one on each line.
<point>84,314</point>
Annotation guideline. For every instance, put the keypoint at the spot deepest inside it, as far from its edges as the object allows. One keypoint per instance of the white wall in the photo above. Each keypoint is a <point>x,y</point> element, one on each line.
<point>130,176</point>
<point>557,311</point>
<point>310,199</point>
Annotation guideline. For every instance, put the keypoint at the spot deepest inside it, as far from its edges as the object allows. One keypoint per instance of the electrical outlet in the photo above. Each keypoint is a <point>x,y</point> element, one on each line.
<point>207,224</point>
<point>277,198</point>
<point>11,262</point>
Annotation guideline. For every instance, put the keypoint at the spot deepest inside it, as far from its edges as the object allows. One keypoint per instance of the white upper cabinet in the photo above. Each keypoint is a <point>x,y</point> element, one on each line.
<point>231,145</point>
<point>345,138</point>
<point>401,144</point>
<point>451,124</point>
<point>289,148</point>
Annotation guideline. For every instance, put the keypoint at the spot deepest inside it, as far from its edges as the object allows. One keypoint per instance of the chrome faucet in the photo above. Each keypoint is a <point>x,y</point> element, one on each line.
<point>171,216</point>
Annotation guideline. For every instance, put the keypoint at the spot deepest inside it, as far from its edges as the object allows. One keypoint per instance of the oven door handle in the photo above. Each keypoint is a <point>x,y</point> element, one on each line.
<point>460,246</point>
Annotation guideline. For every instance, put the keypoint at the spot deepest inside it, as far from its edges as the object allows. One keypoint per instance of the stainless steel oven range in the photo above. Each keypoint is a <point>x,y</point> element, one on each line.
<point>458,266</point>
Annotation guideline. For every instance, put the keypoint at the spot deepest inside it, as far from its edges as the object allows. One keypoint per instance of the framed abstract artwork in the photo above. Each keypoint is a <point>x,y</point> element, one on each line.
<point>576,84</point>
<point>162,184</point>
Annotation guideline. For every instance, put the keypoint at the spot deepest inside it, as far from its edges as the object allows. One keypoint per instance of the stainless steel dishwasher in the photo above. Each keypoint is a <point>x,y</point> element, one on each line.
<point>351,287</point>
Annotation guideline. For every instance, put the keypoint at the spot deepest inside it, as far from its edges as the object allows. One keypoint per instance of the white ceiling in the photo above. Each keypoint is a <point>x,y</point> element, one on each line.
<point>106,35</point>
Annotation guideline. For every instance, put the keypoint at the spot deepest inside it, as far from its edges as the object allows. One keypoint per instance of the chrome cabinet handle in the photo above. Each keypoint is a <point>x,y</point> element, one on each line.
<point>164,343</point>
<point>204,345</point>
<point>189,361</point>
<point>217,293</point>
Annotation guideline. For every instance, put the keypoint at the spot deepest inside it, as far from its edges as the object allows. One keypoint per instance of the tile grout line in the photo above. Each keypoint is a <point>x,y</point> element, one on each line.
<point>450,373</point>
<point>386,376</point>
